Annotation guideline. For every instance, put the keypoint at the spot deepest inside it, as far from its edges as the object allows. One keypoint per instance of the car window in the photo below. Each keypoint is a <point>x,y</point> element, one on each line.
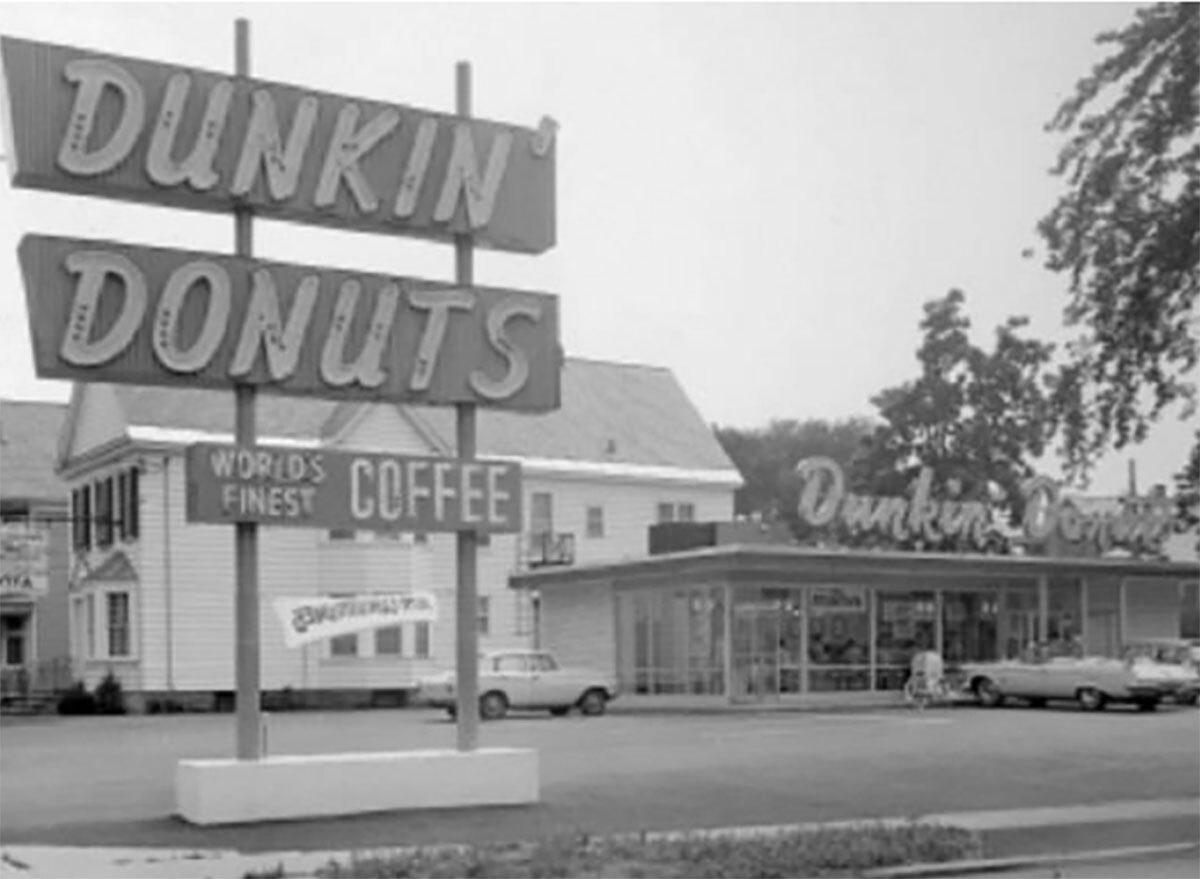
<point>510,664</point>
<point>543,662</point>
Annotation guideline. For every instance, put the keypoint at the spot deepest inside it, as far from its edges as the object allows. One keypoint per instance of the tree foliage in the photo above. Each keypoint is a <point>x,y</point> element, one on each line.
<point>1187,492</point>
<point>767,459</point>
<point>975,417</point>
<point>1127,232</point>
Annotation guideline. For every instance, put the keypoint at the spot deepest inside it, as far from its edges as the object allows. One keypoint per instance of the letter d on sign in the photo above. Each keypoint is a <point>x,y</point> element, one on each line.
<point>92,266</point>
<point>90,77</point>
<point>817,508</point>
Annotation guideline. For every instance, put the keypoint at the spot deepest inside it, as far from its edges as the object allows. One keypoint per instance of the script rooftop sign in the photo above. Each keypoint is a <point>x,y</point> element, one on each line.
<point>124,128</point>
<point>101,311</point>
<point>323,488</point>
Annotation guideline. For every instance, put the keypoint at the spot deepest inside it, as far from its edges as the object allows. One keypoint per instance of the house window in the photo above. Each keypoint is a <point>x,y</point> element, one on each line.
<point>422,641</point>
<point>681,512</point>
<point>118,623</point>
<point>541,513</point>
<point>344,645</point>
<point>483,614</point>
<point>595,521</point>
<point>388,641</point>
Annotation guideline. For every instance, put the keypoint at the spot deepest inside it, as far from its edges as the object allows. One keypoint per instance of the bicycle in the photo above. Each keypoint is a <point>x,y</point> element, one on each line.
<point>921,692</point>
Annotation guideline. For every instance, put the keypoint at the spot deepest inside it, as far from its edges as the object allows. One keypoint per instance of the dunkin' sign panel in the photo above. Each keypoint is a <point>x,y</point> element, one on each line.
<point>102,311</point>
<point>100,124</point>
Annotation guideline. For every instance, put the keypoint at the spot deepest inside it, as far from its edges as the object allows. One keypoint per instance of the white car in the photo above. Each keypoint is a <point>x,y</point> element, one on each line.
<point>525,679</point>
<point>1091,681</point>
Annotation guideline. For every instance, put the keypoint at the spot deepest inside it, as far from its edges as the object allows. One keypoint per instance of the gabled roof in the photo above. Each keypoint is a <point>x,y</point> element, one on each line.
<point>611,413</point>
<point>28,443</point>
<point>193,409</point>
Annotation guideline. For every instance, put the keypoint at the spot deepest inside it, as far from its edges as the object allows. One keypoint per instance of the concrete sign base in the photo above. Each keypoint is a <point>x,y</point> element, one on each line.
<point>320,785</point>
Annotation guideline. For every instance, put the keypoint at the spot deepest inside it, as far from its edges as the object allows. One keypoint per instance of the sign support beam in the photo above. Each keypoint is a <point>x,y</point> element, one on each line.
<point>249,715</point>
<point>466,593</point>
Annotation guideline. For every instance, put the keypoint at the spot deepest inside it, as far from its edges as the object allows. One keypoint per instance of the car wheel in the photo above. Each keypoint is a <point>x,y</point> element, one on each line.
<point>1188,698</point>
<point>493,706</point>
<point>593,703</point>
<point>1147,704</point>
<point>1037,703</point>
<point>560,712</point>
<point>1090,699</point>
<point>988,693</point>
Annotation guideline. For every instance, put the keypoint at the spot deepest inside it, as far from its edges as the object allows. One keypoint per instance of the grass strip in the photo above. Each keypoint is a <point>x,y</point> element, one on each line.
<point>785,854</point>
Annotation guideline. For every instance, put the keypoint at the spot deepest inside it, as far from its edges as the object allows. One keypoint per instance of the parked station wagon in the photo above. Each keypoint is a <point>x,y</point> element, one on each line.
<point>525,679</point>
<point>1093,682</point>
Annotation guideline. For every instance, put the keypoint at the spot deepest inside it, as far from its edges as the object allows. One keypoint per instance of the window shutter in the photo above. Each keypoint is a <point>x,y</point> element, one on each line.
<point>131,515</point>
<point>121,506</point>
<point>85,495</point>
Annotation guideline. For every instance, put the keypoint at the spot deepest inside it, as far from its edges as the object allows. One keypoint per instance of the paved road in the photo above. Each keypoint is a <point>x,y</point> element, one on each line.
<point>109,781</point>
<point>1169,867</point>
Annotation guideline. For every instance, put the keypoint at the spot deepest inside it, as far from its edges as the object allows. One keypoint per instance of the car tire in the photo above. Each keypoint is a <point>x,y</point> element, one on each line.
<point>593,703</point>
<point>1188,698</point>
<point>493,706</point>
<point>1147,704</point>
<point>988,693</point>
<point>560,712</point>
<point>1090,699</point>
<point>1037,703</point>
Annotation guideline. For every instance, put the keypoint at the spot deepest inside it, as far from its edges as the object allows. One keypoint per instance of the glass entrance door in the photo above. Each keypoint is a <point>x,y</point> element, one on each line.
<point>756,629</point>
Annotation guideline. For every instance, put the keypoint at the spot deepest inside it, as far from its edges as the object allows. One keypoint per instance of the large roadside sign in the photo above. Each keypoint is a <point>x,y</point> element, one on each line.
<point>102,311</point>
<point>99,124</point>
<point>335,489</point>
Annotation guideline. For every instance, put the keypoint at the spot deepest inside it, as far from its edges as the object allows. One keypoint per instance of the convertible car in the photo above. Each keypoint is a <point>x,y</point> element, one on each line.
<point>1093,682</point>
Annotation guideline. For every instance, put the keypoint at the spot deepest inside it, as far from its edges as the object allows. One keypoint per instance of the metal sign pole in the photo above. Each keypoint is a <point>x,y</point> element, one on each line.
<point>249,720</point>
<point>466,600</point>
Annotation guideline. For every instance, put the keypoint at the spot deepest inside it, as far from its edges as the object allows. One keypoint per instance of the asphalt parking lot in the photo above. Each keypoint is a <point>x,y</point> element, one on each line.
<point>109,781</point>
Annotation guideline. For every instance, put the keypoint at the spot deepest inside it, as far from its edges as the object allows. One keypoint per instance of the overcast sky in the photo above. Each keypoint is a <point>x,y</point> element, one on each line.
<point>759,197</point>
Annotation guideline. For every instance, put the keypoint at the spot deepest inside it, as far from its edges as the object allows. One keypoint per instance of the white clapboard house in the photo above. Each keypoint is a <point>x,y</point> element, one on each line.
<point>152,595</point>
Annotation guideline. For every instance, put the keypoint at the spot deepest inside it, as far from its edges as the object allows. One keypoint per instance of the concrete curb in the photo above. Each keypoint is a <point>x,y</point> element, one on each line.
<point>1180,817</point>
<point>998,865</point>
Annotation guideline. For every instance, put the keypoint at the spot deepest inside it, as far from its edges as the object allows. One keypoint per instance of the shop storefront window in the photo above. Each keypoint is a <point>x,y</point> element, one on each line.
<point>1063,629</point>
<point>905,624</point>
<point>839,638</point>
<point>970,631</point>
<point>1018,619</point>
<point>672,641</point>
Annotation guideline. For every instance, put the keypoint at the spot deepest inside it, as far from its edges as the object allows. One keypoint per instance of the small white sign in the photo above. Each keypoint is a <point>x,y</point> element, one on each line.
<point>24,567</point>
<point>306,620</point>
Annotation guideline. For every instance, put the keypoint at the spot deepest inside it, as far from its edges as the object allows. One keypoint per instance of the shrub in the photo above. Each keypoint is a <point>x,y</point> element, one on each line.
<point>77,700</point>
<point>110,699</point>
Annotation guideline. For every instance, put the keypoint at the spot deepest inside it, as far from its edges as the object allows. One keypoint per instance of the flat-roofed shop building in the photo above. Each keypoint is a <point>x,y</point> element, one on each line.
<point>777,623</point>
<point>152,595</point>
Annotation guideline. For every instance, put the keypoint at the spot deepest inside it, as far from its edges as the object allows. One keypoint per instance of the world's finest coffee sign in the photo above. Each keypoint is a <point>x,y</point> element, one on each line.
<point>124,128</point>
<point>101,311</point>
<point>322,488</point>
